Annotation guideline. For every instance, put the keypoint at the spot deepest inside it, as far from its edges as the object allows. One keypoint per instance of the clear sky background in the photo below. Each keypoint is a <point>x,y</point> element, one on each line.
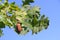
<point>50,8</point>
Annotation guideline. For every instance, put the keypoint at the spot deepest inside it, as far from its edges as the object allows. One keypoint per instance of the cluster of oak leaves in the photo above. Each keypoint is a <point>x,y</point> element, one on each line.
<point>22,19</point>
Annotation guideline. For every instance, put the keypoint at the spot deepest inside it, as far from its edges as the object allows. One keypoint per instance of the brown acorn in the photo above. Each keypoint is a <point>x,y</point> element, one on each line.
<point>18,27</point>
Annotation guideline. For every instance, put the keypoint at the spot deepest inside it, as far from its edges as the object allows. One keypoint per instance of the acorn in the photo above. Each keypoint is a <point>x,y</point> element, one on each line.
<point>18,27</point>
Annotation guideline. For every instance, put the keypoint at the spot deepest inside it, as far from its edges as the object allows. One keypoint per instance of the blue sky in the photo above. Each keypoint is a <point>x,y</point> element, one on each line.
<point>50,8</point>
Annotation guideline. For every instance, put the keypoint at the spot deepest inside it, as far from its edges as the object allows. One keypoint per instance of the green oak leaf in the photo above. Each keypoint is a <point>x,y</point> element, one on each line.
<point>27,2</point>
<point>1,33</point>
<point>2,25</point>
